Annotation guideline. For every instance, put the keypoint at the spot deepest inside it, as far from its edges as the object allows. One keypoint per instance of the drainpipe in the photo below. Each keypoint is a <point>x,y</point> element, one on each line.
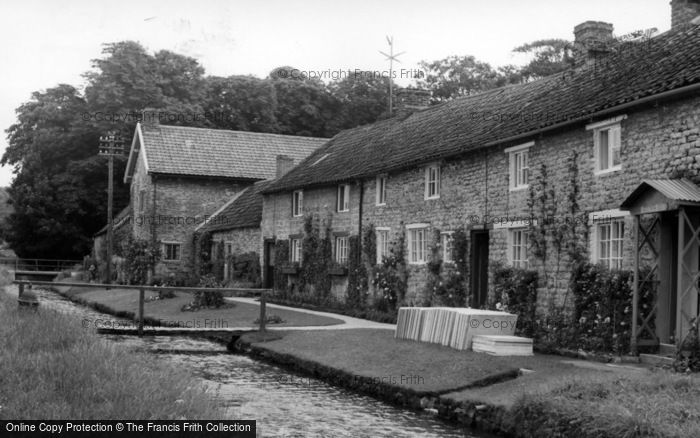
<point>359,222</point>
<point>486,187</point>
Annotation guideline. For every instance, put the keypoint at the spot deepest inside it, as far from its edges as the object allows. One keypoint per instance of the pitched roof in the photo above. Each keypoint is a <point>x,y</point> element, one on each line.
<point>243,211</point>
<point>667,62</point>
<point>119,220</point>
<point>179,150</point>
<point>678,190</point>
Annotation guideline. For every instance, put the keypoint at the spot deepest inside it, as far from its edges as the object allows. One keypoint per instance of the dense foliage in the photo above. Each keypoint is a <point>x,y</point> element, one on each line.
<point>515,291</point>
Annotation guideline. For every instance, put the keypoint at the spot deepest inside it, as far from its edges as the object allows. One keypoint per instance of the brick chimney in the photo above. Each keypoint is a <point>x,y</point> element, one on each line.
<point>284,165</point>
<point>409,100</point>
<point>593,40</point>
<point>684,12</point>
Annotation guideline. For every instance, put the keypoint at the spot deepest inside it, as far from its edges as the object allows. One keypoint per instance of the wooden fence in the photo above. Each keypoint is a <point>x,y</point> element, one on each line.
<point>142,292</point>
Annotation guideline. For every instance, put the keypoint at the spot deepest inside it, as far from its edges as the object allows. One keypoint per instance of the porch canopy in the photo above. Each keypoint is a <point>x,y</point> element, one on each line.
<point>666,216</point>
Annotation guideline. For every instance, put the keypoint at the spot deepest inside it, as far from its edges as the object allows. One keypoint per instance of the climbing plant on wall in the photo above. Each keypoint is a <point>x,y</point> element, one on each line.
<point>357,275</point>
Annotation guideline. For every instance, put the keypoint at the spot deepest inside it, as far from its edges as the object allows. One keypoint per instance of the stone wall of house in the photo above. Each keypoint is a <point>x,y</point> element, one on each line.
<point>661,141</point>
<point>244,240</point>
<point>141,187</point>
<point>181,205</point>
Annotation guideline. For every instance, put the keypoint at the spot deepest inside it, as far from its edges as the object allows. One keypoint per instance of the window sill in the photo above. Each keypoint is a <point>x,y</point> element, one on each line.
<point>171,260</point>
<point>417,263</point>
<point>290,271</point>
<point>343,211</point>
<point>519,188</point>
<point>380,205</point>
<point>430,198</point>
<point>607,171</point>
<point>339,272</point>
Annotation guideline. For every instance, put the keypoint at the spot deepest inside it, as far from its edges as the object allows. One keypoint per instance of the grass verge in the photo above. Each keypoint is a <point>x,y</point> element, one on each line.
<point>53,369</point>
<point>124,303</point>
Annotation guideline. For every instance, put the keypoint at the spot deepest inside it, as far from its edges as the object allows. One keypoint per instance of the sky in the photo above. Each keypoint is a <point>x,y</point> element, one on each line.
<point>45,43</point>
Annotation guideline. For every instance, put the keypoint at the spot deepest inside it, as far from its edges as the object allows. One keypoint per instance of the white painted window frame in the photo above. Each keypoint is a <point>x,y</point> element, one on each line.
<point>297,203</point>
<point>340,250</point>
<point>446,241</point>
<point>516,156</point>
<point>429,180</point>
<point>381,190</point>
<point>519,244</point>
<point>614,134</point>
<point>421,247</point>
<point>345,207</point>
<point>165,250</point>
<point>383,243</point>
<point>295,249</point>
<point>605,218</point>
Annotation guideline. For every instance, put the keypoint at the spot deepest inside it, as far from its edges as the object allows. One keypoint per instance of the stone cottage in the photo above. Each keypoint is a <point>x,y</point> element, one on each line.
<point>179,176</point>
<point>506,162</point>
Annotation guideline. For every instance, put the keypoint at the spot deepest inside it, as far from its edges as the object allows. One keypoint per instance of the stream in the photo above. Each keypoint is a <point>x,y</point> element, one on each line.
<point>284,404</point>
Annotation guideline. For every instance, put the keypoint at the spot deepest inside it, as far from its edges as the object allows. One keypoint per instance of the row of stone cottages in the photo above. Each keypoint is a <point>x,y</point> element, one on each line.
<point>619,135</point>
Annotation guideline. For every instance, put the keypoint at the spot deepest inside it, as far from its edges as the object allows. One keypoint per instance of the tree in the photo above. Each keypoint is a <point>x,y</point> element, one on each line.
<point>243,103</point>
<point>456,76</point>
<point>549,57</point>
<point>363,98</point>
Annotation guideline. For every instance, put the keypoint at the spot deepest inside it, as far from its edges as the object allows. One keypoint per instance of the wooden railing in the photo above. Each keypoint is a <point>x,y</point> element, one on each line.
<point>142,292</point>
<point>46,265</point>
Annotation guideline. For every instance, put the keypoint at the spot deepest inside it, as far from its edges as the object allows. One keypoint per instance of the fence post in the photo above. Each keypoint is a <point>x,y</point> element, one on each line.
<point>21,290</point>
<point>263,317</point>
<point>141,298</point>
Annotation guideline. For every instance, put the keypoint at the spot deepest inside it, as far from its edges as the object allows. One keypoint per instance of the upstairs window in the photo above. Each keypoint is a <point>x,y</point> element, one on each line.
<point>519,168</point>
<point>297,203</point>
<point>343,199</point>
<point>607,145</point>
<point>381,190</point>
<point>432,181</point>
<point>341,250</point>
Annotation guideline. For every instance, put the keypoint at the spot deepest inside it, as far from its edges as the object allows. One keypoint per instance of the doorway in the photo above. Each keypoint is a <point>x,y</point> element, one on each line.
<point>479,267</point>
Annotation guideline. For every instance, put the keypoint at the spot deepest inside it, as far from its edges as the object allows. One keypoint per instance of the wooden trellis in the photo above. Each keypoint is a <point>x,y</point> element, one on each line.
<point>644,334</point>
<point>688,272</point>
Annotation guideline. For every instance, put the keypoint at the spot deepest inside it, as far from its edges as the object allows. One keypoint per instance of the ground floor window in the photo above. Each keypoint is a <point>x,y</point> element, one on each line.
<point>519,239</point>
<point>171,251</point>
<point>341,249</point>
<point>447,247</point>
<point>382,244</point>
<point>609,238</point>
<point>417,244</point>
<point>295,250</point>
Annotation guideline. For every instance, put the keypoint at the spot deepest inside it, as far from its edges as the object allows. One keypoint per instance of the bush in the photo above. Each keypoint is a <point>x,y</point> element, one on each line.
<point>140,257</point>
<point>204,299</point>
<point>245,269</point>
<point>688,355</point>
<point>515,291</point>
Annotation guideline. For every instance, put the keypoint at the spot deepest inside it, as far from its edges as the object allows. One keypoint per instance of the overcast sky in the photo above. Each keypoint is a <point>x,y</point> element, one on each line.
<point>47,42</point>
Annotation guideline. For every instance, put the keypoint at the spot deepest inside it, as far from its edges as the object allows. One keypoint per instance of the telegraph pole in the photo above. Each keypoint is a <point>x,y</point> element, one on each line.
<point>110,145</point>
<point>391,57</point>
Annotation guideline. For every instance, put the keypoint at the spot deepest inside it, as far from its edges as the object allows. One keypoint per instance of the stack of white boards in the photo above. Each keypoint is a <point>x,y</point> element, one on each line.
<point>502,345</point>
<point>452,326</point>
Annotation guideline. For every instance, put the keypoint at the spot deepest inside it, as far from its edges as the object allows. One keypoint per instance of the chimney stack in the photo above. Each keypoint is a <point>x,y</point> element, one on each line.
<point>684,12</point>
<point>593,40</point>
<point>284,165</point>
<point>409,100</point>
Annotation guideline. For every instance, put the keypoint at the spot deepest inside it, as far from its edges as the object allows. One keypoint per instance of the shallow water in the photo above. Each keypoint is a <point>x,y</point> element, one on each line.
<point>284,404</point>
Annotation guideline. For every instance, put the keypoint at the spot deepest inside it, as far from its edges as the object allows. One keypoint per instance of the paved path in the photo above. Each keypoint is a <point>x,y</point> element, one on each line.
<point>348,321</point>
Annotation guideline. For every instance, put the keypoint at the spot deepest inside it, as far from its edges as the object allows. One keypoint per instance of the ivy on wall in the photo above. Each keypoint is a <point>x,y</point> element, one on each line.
<point>357,275</point>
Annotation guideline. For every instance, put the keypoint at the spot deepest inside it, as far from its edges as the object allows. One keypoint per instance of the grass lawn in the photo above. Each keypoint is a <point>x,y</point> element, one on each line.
<point>53,369</point>
<point>241,315</point>
<point>375,354</point>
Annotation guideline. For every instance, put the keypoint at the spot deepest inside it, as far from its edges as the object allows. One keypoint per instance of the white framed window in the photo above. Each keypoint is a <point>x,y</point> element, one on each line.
<point>447,246</point>
<point>341,249</point>
<point>382,243</point>
<point>343,198</point>
<point>432,181</point>
<point>608,242</point>
<point>295,250</point>
<point>607,145</point>
<point>417,243</point>
<point>297,203</point>
<point>171,251</point>
<point>519,166</point>
<point>518,243</point>
<point>381,190</point>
